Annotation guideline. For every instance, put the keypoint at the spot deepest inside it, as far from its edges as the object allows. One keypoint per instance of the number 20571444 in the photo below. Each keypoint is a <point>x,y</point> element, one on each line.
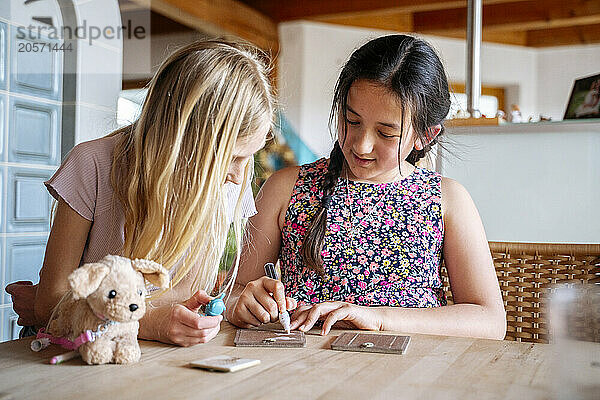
<point>41,47</point>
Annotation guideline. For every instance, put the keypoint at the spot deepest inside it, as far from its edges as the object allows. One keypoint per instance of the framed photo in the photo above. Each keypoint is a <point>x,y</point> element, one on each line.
<point>585,99</point>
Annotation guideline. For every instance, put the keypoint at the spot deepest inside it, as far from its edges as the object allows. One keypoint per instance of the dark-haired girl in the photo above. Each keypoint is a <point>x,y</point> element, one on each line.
<point>360,236</point>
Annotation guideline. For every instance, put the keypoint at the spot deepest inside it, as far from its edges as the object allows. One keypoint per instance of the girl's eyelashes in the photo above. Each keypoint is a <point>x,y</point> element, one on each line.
<point>387,136</point>
<point>384,135</point>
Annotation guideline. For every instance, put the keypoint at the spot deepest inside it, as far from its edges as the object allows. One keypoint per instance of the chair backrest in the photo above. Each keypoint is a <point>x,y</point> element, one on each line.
<point>526,271</point>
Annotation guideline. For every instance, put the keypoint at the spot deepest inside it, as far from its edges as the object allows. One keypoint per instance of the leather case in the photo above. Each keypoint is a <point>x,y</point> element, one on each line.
<point>371,343</point>
<point>257,338</point>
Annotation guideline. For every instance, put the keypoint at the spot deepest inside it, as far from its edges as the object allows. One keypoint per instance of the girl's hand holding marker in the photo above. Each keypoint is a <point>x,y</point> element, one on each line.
<point>284,316</point>
<point>261,301</point>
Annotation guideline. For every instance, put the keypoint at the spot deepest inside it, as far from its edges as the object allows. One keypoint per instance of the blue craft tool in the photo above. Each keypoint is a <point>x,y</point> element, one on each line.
<point>216,306</point>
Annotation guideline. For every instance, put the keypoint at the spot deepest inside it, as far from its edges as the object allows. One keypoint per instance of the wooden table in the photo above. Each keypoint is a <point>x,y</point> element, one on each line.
<point>434,367</point>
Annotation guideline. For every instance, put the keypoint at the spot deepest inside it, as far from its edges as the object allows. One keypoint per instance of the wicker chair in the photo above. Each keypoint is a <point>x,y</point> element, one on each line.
<point>525,272</point>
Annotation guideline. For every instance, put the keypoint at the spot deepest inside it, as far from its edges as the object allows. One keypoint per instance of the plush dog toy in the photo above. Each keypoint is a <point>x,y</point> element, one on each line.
<point>99,316</point>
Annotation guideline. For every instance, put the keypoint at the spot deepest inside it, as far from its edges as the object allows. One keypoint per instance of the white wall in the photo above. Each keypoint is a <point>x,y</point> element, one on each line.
<point>291,85</point>
<point>558,67</point>
<point>136,58</point>
<point>99,69</point>
<point>531,183</point>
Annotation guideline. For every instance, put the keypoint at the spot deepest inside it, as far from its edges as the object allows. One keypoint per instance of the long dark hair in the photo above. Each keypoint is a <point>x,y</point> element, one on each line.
<point>411,70</point>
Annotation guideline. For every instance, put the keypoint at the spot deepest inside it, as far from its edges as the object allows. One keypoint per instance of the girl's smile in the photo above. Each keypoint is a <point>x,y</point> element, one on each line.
<point>362,161</point>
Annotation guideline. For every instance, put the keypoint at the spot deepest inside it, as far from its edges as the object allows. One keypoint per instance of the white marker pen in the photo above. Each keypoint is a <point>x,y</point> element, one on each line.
<point>284,317</point>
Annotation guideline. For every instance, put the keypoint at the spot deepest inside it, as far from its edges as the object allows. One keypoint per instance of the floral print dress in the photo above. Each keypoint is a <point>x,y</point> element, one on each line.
<point>382,244</point>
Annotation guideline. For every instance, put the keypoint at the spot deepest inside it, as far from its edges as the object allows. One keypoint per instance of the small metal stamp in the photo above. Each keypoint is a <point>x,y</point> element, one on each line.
<point>269,340</point>
<point>367,345</point>
<point>40,344</point>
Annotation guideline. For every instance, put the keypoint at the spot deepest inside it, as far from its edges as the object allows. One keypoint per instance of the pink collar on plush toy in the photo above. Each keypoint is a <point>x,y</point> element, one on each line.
<point>85,337</point>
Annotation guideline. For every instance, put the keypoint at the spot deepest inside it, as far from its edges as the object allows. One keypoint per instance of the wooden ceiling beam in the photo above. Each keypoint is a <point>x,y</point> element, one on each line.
<point>399,22</point>
<point>503,37</point>
<point>572,36</point>
<point>522,16</point>
<point>221,18</point>
<point>161,25</point>
<point>287,10</point>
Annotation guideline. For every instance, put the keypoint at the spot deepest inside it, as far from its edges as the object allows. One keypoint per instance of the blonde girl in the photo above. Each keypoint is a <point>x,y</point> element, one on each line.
<point>361,236</point>
<point>164,188</point>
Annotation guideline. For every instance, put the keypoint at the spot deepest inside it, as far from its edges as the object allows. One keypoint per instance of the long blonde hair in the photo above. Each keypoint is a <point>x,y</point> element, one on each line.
<point>170,165</point>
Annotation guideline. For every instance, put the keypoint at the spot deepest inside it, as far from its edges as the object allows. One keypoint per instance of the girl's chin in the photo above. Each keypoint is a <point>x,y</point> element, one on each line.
<point>361,173</point>
<point>372,175</point>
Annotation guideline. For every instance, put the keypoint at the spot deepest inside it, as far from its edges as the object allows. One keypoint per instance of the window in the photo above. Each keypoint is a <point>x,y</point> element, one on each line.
<point>491,100</point>
<point>488,105</point>
<point>129,105</point>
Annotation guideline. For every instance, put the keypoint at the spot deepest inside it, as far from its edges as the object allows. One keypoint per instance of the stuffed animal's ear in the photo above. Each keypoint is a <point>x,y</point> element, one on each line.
<point>155,273</point>
<point>87,278</point>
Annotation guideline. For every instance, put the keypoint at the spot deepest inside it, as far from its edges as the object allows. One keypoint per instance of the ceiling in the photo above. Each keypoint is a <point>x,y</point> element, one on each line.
<point>532,23</point>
